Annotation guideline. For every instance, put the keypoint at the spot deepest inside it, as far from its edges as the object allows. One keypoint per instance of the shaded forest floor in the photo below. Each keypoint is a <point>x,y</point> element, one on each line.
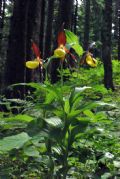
<point>68,130</point>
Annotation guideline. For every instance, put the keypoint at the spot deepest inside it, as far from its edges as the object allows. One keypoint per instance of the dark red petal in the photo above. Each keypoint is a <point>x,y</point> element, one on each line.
<point>61,38</point>
<point>36,49</point>
<point>73,57</point>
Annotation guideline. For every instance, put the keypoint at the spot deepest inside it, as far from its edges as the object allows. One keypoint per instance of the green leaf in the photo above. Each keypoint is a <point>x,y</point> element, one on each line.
<point>67,106</point>
<point>73,113</point>
<point>57,149</point>
<point>50,97</point>
<point>116,164</point>
<point>73,39</point>
<point>78,49</point>
<point>13,142</point>
<point>21,118</point>
<point>89,114</point>
<point>31,151</point>
<point>54,122</point>
<point>106,176</point>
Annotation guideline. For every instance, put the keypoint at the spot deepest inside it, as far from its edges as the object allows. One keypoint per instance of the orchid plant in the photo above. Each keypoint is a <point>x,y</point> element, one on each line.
<point>60,52</point>
<point>37,61</point>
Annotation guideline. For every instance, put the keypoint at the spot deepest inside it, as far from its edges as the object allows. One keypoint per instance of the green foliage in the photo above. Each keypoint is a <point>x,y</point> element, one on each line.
<point>73,40</point>
<point>69,130</point>
<point>13,142</point>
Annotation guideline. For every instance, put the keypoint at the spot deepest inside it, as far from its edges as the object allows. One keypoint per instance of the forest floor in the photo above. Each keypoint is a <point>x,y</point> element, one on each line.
<point>69,130</point>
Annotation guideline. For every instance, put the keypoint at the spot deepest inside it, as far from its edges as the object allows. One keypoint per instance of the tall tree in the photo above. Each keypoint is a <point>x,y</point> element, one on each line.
<point>17,43</point>
<point>48,34</point>
<point>75,16</point>
<point>118,30</point>
<point>64,16</point>
<point>66,10</point>
<point>106,45</point>
<point>33,33</point>
<point>87,24</point>
<point>2,18</point>
<point>25,25</point>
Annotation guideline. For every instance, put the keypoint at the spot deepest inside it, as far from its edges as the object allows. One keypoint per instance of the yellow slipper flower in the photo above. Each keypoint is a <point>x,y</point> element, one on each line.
<point>91,61</point>
<point>32,64</point>
<point>59,53</point>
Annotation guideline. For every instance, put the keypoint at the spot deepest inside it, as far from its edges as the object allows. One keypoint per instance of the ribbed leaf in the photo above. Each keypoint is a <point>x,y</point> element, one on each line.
<point>57,149</point>
<point>31,151</point>
<point>21,118</point>
<point>73,39</point>
<point>13,142</point>
<point>54,122</point>
<point>67,106</point>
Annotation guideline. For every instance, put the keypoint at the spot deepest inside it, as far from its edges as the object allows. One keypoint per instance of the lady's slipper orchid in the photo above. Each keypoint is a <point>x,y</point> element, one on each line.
<point>32,64</point>
<point>61,51</point>
<point>37,61</point>
<point>91,61</point>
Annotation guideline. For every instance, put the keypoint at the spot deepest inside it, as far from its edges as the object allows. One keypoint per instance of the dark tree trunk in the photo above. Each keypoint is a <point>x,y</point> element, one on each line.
<point>64,16</point>
<point>2,15</point>
<point>15,65</point>
<point>97,26</point>
<point>33,33</point>
<point>42,26</point>
<point>119,30</point>
<point>25,25</point>
<point>66,10</point>
<point>106,45</point>
<point>48,34</point>
<point>75,16</point>
<point>116,20</point>
<point>87,24</point>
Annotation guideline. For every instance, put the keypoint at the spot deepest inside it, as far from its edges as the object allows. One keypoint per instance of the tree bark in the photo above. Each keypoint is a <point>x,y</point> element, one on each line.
<point>64,16</point>
<point>66,10</point>
<point>2,15</point>
<point>25,25</point>
<point>48,34</point>
<point>75,16</point>
<point>119,30</point>
<point>15,65</point>
<point>106,45</point>
<point>33,33</point>
<point>87,24</point>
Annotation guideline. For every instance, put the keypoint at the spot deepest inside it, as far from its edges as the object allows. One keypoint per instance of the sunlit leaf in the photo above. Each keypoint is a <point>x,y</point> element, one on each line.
<point>31,151</point>
<point>13,142</point>
<point>73,39</point>
<point>54,122</point>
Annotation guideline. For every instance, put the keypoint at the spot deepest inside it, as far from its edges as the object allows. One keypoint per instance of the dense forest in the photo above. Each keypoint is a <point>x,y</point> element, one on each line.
<point>59,89</point>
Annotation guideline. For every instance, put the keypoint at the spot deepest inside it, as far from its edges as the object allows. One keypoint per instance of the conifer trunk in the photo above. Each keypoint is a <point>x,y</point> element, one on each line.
<point>106,45</point>
<point>87,24</point>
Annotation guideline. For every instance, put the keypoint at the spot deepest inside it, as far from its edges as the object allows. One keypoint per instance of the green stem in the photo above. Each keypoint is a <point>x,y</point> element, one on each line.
<point>61,65</point>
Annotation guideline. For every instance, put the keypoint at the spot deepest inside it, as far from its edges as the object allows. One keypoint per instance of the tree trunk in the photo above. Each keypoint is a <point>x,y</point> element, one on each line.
<point>64,16</point>
<point>75,16</point>
<point>15,65</point>
<point>106,45</point>
<point>42,26</point>
<point>87,24</point>
<point>25,25</point>
<point>119,30</point>
<point>2,15</point>
<point>33,33</point>
<point>66,10</point>
<point>48,34</point>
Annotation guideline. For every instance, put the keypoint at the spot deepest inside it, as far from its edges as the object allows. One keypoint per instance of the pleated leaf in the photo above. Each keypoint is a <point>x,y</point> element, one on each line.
<point>13,142</point>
